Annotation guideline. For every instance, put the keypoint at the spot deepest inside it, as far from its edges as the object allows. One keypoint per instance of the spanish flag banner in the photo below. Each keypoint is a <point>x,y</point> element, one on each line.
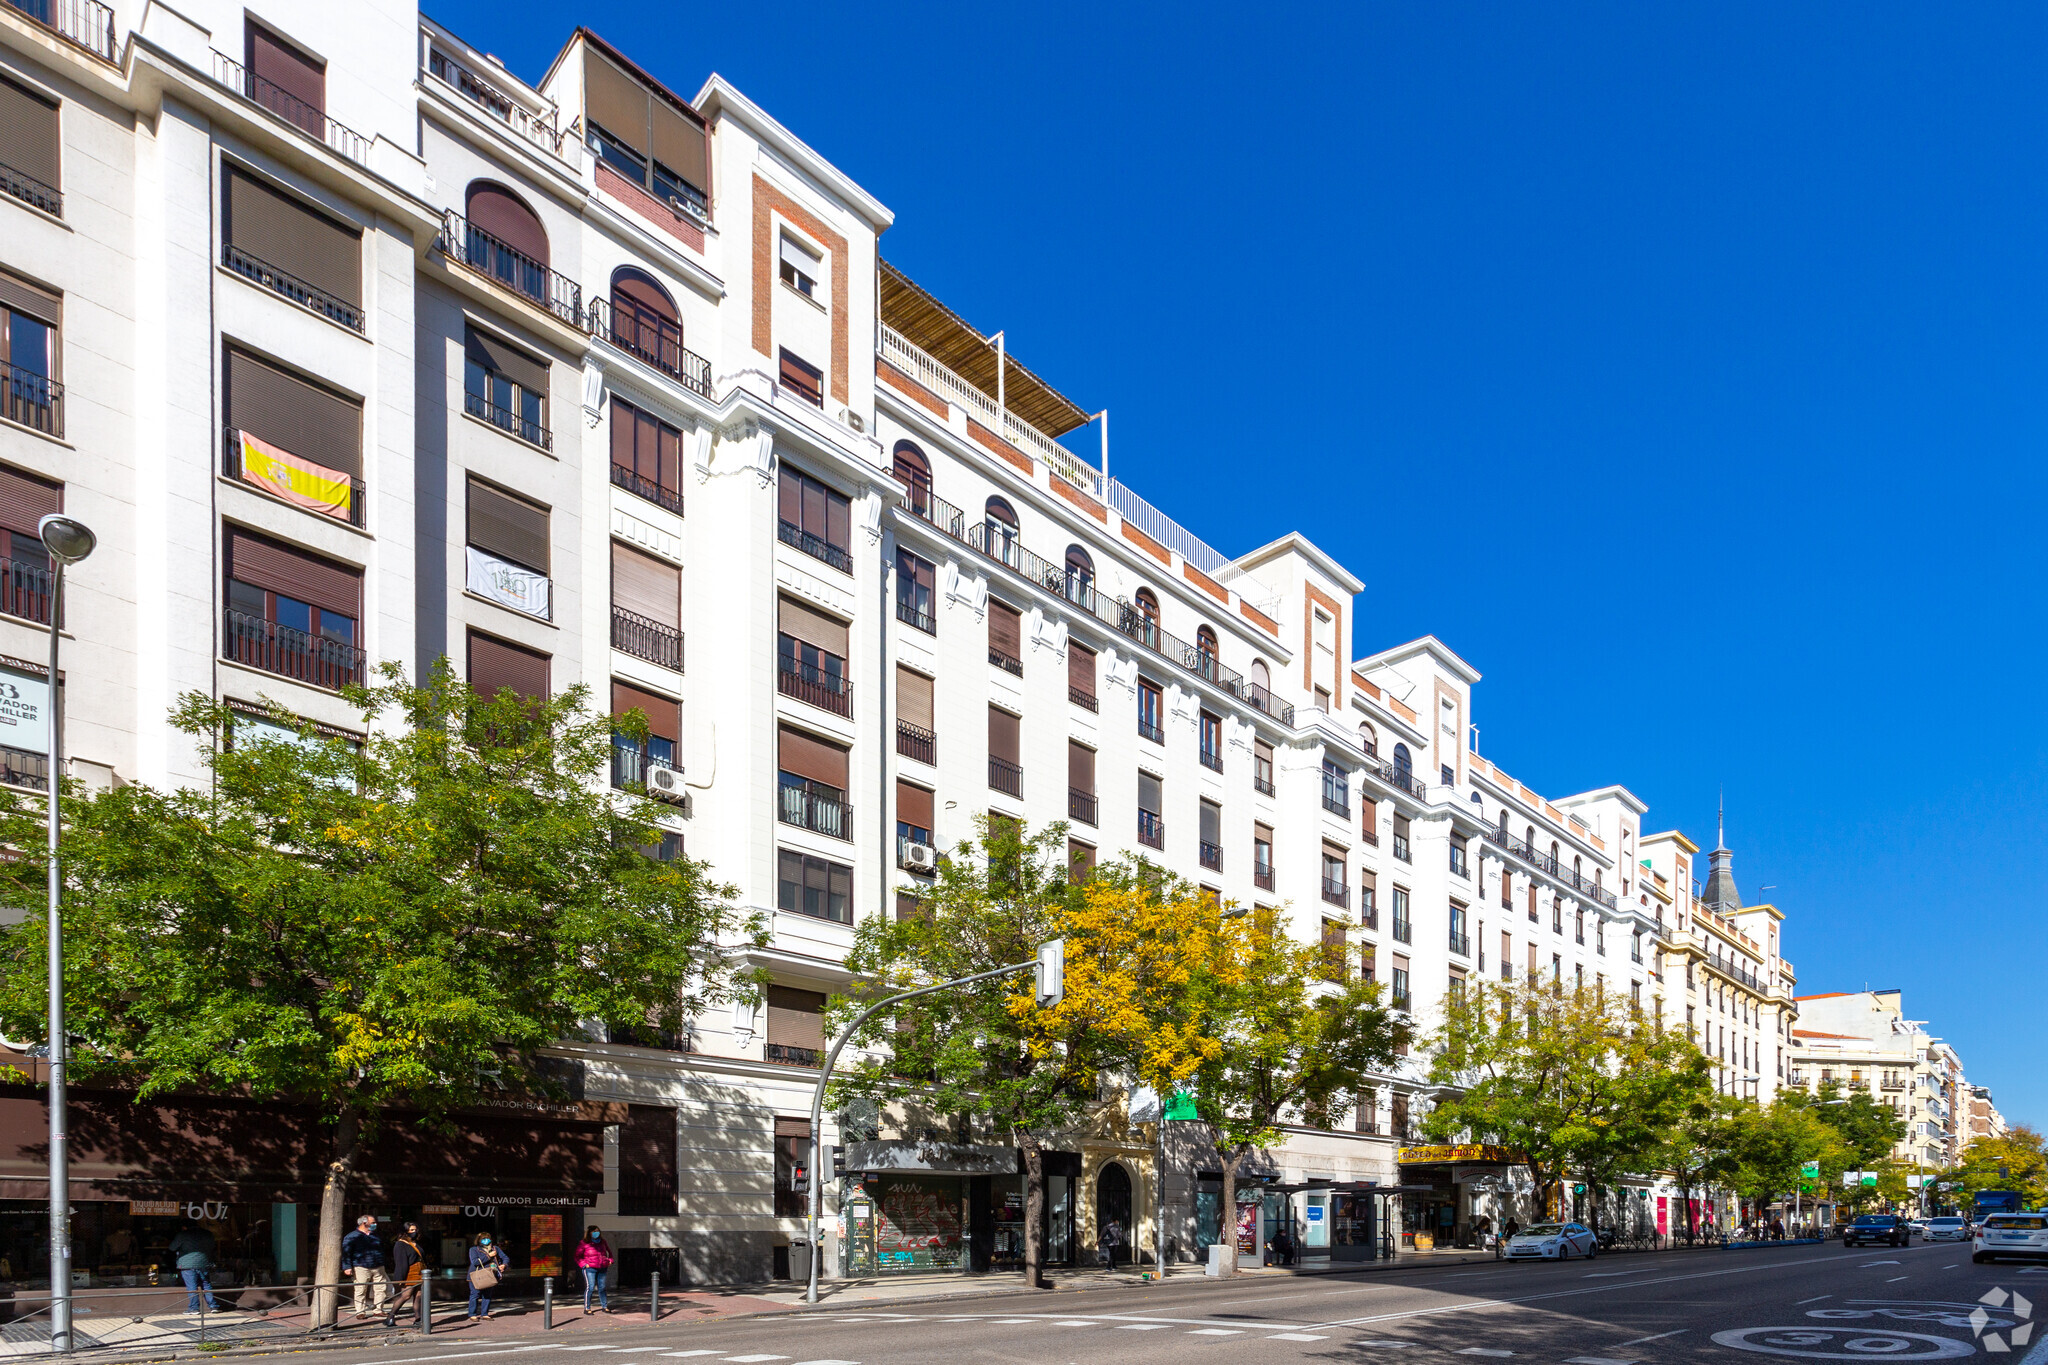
<point>309,485</point>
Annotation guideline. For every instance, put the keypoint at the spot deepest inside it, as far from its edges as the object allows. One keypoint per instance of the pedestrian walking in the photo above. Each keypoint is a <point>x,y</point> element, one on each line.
<point>1107,1241</point>
<point>362,1258</point>
<point>594,1258</point>
<point>194,1247</point>
<point>408,1268</point>
<point>486,1267</point>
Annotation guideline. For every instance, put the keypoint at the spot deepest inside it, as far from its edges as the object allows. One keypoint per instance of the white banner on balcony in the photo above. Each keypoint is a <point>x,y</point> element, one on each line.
<point>508,584</point>
<point>24,711</point>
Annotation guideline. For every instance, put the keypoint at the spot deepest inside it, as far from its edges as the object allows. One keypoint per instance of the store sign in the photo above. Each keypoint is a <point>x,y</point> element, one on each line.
<point>24,711</point>
<point>508,584</point>
<point>1467,1152</point>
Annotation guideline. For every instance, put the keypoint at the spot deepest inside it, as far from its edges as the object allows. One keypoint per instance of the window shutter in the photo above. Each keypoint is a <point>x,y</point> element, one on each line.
<point>626,420</point>
<point>1369,883</point>
<point>1002,735</point>
<point>300,77</point>
<point>813,627</point>
<point>25,500</point>
<point>1080,767</point>
<point>913,805</point>
<point>647,586</point>
<point>680,143</point>
<point>28,133</point>
<point>23,297</point>
<point>913,698</point>
<point>301,417</point>
<point>812,758</point>
<point>1005,630</point>
<point>796,1018</point>
<point>511,528</point>
<point>276,567</point>
<point>1371,811</point>
<point>615,101</point>
<point>1081,669</point>
<point>498,211</point>
<point>279,230</point>
<point>1262,834</point>
<point>496,664</point>
<point>1400,827</point>
<point>664,717</point>
<point>1212,823</point>
<point>500,356</point>
<point>1148,793</point>
<point>1333,937</point>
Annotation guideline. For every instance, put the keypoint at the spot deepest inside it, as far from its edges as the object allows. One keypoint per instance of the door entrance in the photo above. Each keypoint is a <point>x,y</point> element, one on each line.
<point>1113,1211</point>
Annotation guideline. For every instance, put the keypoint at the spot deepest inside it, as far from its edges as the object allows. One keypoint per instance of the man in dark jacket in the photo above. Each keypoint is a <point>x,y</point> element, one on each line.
<point>194,1247</point>
<point>362,1259</point>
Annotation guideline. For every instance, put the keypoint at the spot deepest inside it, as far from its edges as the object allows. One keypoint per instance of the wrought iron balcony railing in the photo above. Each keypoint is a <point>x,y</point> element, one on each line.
<point>466,244</point>
<point>916,742</point>
<point>29,190</point>
<point>645,639</point>
<point>290,653</point>
<point>814,806</point>
<point>282,282</point>
<point>36,401</point>
<point>307,118</point>
<point>1082,806</point>
<point>815,686</point>
<point>814,545</point>
<point>640,486</point>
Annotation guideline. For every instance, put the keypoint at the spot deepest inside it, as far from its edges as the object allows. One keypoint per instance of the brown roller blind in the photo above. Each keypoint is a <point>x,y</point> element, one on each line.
<point>285,67</point>
<point>913,805</point>
<point>295,414</point>
<point>812,758</point>
<point>913,698</point>
<point>1081,669</point>
<point>1002,735</point>
<point>34,300</point>
<point>796,1018</point>
<point>28,132</point>
<point>647,586</point>
<point>25,500</point>
<point>1401,826</point>
<point>679,144</point>
<point>1006,630</point>
<point>494,353</point>
<point>1211,816</point>
<point>511,528</point>
<point>664,717</point>
<point>797,1128</point>
<point>1080,767</point>
<point>498,211</point>
<point>1370,810</point>
<point>614,101</point>
<point>494,664</point>
<point>264,563</point>
<point>813,627</point>
<point>279,230</point>
<point>1368,880</point>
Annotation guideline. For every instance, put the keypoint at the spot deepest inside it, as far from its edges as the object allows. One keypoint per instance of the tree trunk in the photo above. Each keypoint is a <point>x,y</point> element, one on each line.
<point>333,1207</point>
<point>1226,1215</point>
<point>1034,1212</point>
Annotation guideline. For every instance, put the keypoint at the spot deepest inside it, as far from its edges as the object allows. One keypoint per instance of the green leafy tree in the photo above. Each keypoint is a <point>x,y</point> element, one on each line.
<point>1699,1149</point>
<point>400,927</point>
<point>1865,1130</point>
<point>1769,1144</point>
<point>2013,1162</point>
<point>1574,1081</point>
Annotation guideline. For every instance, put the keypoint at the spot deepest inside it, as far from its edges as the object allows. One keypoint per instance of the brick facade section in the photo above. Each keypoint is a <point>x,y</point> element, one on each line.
<point>636,197</point>
<point>1205,583</point>
<point>1318,598</point>
<point>1080,500</point>
<point>999,446</point>
<point>769,201</point>
<point>1145,543</point>
<point>1259,619</point>
<point>911,389</point>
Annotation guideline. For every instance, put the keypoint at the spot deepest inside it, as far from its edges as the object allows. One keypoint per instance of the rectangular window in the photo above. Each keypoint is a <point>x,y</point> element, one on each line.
<point>1507,950</point>
<point>290,612</point>
<point>1368,963</point>
<point>814,886</point>
<point>1507,888</point>
<point>292,438</point>
<point>1151,827</point>
<point>508,550</point>
<point>1369,820</point>
<point>1404,926</point>
<point>631,758</point>
<point>914,737</point>
<point>801,267</point>
<point>279,242</point>
<point>913,813</point>
<point>803,379</point>
<point>25,578</point>
<point>1080,861</point>
<point>1006,637</point>
<point>1211,821</point>
<point>1081,676</point>
<point>916,604</point>
<point>646,136</point>
<point>1262,856</point>
<point>814,518</point>
<point>792,1154</point>
<point>1366,1117</point>
<point>1400,984</point>
<point>286,80</point>
<point>1461,942</point>
<point>1336,879</point>
<point>647,607</point>
<point>1336,788</point>
<point>1401,849</point>
<point>1460,856</point>
<point>29,155</point>
<point>508,388</point>
<point>1081,802</point>
<point>1212,741</point>
<point>1336,955</point>
<point>647,453</point>
<point>1149,711</point>
<point>497,665</point>
<point>796,1026</point>
<point>811,650</point>
<point>811,775</point>
<point>1369,899</point>
<point>1005,772</point>
<point>1262,766</point>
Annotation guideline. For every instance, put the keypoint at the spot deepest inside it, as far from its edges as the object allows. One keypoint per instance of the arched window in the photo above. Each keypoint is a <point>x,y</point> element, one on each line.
<point>505,240</point>
<point>1080,575</point>
<point>914,472</point>
<point>1578,865</point>
<point>1404,766</point>
<point>1553,854</point>
<point>645,320</point>
<point>1503,824</point>
<point>1001,532</point>
<point>1529,839</point>
<point>1262,680</point>
<point>1205,652</point>
<point>1368,738</point>
<point>1146,627</point>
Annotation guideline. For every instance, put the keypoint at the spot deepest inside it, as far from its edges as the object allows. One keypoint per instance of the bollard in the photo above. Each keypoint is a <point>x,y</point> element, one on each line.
<point>547,1304</point>
<point>426,1301</point>
<point>654,1297</point>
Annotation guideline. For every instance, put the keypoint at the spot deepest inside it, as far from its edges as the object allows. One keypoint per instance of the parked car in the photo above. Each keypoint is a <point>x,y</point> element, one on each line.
<point>1552,1242</point>
<point>2018,1235</point>
<point>1948,1230</point>
<point>1917,1226</point>
<point>1872,1228</point>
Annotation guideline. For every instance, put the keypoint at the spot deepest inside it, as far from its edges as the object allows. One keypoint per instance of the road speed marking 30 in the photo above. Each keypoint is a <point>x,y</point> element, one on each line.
<point>1843,1343</point>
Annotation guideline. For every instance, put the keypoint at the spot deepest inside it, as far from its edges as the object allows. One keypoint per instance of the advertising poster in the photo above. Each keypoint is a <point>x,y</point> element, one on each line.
<point>24,711</point>
<point>1247,1229</point>
<point>544,1243</point>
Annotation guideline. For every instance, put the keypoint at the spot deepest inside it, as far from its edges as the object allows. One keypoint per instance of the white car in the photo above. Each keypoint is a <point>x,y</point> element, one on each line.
<point>1552,1242</point>
<point>2011,1234</point>
<point>1947,1230</point>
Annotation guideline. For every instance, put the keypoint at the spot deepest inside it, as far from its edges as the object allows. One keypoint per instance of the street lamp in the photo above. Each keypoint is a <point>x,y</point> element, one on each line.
<point>68,542</point>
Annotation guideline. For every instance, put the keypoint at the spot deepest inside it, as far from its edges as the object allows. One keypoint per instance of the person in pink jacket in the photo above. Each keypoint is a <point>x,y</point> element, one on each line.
<point>594,1258</point>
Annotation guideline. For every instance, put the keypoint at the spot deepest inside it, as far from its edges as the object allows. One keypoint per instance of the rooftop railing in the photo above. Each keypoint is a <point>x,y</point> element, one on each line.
<point>83,23</point>
<point>469,245</point>
<point>538,129</point>
<point>309,119</point>
<point>899,351</point>
<point>1582,886</point>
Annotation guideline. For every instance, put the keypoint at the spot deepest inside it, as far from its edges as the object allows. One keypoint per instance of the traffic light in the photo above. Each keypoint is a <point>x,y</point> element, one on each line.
<point>1578,1189</point>
<point>836,1157</point>
<point>1051,972</point>
<point>800,1179</point>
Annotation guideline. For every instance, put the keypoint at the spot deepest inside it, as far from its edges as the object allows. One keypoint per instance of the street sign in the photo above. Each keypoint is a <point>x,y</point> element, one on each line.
<point>1809,1170</point>
<point>1181,1108</point>
<point>1869,1180</point>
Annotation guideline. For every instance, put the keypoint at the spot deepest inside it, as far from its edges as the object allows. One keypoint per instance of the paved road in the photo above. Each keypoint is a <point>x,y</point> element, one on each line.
<point>1819,1303</point>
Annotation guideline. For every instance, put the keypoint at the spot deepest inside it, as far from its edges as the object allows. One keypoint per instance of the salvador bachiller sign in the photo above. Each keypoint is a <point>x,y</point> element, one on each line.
<point>24,711</point>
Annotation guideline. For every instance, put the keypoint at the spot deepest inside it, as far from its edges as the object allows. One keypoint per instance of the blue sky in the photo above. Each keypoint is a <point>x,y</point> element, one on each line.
<point>1681,367</point>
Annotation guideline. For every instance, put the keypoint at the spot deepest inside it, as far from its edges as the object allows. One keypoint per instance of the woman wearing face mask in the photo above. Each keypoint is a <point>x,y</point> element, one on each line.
<point>408,1264</point>
<point>594,1258</point>
<point>486,1267</point>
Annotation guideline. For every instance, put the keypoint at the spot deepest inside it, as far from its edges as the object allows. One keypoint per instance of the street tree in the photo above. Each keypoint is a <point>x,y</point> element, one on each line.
<point>1572,1080</point>
<point>377,931</point>
<point>2013,1162</point>
<point>1769,1144</point>
<point>1699,1149</point>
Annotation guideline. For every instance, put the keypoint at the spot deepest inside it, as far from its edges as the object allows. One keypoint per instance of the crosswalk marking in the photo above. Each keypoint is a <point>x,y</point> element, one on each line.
<point>751,1360</point>
<point>1073,1323</point>
<point>1216,1332</point>
<point>672,1354</point>
<point>1011,1322</point>
<point>1142,1327</point>
<point>1296,1336</point>
<point>1483,1351</point>
<point>830,1362</point>
<point>586,1348</point>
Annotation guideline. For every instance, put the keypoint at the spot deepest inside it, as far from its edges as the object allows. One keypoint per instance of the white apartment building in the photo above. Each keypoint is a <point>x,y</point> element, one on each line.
<point>1861,1041</point>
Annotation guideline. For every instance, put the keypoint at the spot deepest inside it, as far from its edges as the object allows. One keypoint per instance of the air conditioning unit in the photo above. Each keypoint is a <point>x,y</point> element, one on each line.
<point>665,782</point>
<point>853,419</point>
<point>920,858</point>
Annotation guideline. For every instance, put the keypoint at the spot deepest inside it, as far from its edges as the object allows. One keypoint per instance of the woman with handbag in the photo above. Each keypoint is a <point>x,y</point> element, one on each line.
<point>486,1267</point>
<point>594,1258</point>
<point>408,1265</point>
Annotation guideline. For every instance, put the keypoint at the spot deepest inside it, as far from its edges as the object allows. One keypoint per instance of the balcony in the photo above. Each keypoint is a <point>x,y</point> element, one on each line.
<point>1151,829</point>
<point>311,659</point>
<point>1211,856</point>
<point>785,1054</point>
<point>1507,970</point>
<point>1583,887</point>
<point>927,506</point>
<point>815,806</point>
<point>307,118</point>
<point>1085,700</point>
<point>1369,837</point>
<point>1081,806</point>
<point>1151,730</point>
<point>1262,780</point>
<point>19,768</point>
<point>25,590</point>
<point>31,191</point>
<point>916,617</point>
<point>1461,944</point>
<point>1337,892</point>
<point>1459,864</point>
<point>539,129</point>
<point>1404,929</point>
<point>82,23</point>
<point>815,687</point>
<point>630,764</point>
<point>645,639</point>
<point>531,432</point>
<point>1400,779</point>
<point>33,400</point>
<point>1262,877</point>
<point>1212,759</point>
<point>314,488</point>
<point>628,478</point>
<point>915,742</point>
<point>1401,849</point>
<point>816,546</point>
<point>651,338</point>
<point>1008,662</point>
<point>1336,796</point>
<point>1891,1083</point>
<point>468,245</point>
<point>1368,910</point>
<point>643,1035</point>
<point>1005,776</point>
<point>287,285</point>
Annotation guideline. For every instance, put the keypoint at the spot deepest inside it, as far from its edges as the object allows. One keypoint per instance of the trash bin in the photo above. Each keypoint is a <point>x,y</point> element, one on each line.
<point>799,1259</point>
